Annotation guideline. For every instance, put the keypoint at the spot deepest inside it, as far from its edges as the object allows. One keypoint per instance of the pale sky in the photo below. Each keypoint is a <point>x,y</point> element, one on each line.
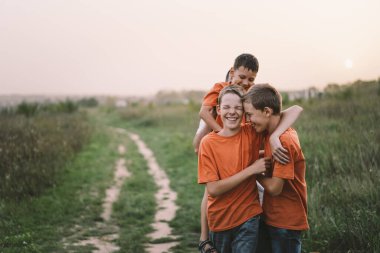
<point>125,47</point>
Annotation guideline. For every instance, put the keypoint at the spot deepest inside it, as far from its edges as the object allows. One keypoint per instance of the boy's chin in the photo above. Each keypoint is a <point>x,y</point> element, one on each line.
<point>233,126</point>
<point>259,129</point>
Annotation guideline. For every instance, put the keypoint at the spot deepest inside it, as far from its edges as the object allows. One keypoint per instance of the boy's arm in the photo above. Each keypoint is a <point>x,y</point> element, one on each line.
<point>272,185</point>
<point>202,131</point>
<point>206,114</point>
<point>288,117</point>
<point>219,187</point>
<point>281,172</point>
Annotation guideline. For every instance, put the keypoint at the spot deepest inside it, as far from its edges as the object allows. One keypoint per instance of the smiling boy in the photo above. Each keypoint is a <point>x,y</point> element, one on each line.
<point>225,166</point>
<point>285,195</point>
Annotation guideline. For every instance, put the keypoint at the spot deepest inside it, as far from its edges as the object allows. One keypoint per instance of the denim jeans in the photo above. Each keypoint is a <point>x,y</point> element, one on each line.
<point>240,239</point>
<point>264,244</point>
<point>285,240</point>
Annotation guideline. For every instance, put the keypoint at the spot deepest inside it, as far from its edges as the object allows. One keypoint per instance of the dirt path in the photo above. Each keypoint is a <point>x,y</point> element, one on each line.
<point>165,199</point>
<point>105,243</point>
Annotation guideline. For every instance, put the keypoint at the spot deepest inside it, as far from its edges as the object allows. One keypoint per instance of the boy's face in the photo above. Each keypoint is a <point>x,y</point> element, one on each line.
<point>258,118</point>
<point>231,111</point>
<point>243,77</point>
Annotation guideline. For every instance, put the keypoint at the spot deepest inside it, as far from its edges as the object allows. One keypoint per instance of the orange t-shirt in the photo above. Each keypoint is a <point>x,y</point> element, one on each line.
<point>222,157</point>
<point>289,209</point>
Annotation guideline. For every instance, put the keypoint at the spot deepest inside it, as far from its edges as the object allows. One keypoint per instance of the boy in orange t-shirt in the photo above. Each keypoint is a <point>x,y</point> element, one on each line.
<point>225,166</point>
<point>243,73</point>
<point>285,194</point>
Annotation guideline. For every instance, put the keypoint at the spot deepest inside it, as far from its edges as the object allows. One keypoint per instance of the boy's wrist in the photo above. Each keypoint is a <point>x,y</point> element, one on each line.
<point>274,135</point>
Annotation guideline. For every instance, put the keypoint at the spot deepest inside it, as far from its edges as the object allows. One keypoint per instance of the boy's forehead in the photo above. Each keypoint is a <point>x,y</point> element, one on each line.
<point>248,106</point>
<point>229,98</point>
<point>245,70</point>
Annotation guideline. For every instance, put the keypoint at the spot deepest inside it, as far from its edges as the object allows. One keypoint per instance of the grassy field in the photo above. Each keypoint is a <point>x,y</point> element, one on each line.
<point>72,208</point>
<point>340,137</point>
<point>339,134</point>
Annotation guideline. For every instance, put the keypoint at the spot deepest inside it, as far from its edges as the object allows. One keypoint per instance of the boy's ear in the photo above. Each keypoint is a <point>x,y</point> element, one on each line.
<point>231,73</point>
<point>268,111</point>
<point>218,109</point>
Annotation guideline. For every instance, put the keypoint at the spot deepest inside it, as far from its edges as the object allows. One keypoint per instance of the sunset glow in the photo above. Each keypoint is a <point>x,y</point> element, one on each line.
<point>141,47</point>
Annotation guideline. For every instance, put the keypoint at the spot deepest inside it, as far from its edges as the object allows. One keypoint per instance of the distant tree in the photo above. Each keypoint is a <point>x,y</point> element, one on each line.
<point>27,109</point>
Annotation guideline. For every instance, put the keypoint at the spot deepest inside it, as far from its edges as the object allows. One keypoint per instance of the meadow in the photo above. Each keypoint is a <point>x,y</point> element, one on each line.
<point>57,161</point>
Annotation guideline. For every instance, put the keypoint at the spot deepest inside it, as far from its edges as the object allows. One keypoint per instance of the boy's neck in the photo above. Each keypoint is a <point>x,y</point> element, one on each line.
<point>228,132</point>
<point>273,123</point>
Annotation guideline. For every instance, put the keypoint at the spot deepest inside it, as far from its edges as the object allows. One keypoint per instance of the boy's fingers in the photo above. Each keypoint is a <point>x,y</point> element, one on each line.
<point>281,150</point>
<point>268,162</point>
<point>281,159</point>
<point>281,156</point>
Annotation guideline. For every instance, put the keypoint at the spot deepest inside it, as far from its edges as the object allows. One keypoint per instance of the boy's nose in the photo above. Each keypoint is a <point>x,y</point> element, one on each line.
<point>245,83</point>
<point>232,111</point>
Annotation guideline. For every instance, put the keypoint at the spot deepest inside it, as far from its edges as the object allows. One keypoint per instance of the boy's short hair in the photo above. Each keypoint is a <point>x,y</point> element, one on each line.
<point>264,95</point>
<point>247,61</point>
<point>234,89</point>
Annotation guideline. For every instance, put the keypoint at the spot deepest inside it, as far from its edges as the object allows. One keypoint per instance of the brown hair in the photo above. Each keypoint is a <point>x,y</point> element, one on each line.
<point>264,95</point>
<point>247,61</point>
<point>234,89</point>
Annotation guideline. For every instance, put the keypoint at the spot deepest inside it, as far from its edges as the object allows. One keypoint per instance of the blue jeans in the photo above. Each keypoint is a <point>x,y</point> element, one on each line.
<point>285,240</point>
<point>240,239</point>
<point>264,244</point>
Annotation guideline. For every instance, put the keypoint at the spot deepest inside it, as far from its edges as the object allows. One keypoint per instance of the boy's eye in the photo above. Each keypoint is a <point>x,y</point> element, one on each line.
<point>242,77</point>
<point>251,79</point>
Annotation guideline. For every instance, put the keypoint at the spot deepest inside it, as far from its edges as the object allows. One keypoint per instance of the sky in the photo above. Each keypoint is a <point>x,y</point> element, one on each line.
<point>125,47</point>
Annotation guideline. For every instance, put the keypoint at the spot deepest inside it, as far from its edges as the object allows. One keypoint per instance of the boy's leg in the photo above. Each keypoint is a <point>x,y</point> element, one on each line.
<point>264,242</point>
<point>246,236</point>
<point>222,240</point>
<point>204,227</point>
<point>285,240</point>
<point>204,224</point>
<point>203,130</point>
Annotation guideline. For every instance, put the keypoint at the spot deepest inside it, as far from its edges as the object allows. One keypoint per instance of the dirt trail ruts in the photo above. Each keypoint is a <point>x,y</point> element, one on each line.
<point>105,243</point>
<point>165,199</point>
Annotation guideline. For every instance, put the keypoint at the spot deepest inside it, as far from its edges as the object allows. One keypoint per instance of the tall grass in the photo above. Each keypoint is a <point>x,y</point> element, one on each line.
<point>63,214</point>
<point>35,143</point>
<point>341,140</point>
<point>340,137</point>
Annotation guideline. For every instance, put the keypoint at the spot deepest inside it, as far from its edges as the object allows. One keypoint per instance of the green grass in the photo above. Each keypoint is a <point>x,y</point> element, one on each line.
<point>34,149</point>
<point>168,131</point>
<point>135,208</point>
<point>339,135</point>
<point>38,224</point>
<point>341,140</point>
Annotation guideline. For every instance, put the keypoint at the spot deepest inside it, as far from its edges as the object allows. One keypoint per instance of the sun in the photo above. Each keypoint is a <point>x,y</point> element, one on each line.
<point>348,64</point>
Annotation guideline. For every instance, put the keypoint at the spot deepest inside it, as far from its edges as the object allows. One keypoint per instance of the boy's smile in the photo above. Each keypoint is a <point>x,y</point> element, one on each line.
<point>243,77</point>
<point>258,118</point>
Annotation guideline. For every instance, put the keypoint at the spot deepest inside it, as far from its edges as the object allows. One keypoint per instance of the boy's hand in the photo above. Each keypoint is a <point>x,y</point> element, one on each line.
<point>260,166</point>
<point>280,154</point>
